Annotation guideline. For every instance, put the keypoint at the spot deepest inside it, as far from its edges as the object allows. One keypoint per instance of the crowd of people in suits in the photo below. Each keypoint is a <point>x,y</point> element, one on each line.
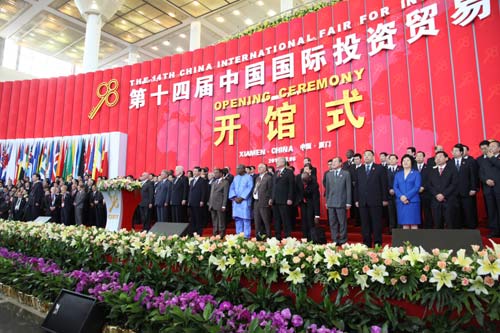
<point>76,201</point>
<point>411,192</point>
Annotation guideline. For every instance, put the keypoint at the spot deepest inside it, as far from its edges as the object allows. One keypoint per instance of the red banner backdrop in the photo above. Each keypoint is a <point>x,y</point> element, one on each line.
<point>425,74</point>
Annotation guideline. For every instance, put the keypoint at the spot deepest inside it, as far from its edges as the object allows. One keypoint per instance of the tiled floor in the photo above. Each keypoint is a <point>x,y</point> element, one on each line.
<point>16,319</point>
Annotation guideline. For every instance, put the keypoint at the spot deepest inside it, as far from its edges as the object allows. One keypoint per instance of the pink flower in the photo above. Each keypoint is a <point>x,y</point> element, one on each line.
<point>344,271</point>
<point>441,264</point>
<point>365,269</point>
<point>388,262</point>
<point>423,278</point>
<point>489,281</point>
<point>403,278</point>
<point>435,252</point>
<point>465,282</point>
<point>426,268</point>
<point>394,281</point>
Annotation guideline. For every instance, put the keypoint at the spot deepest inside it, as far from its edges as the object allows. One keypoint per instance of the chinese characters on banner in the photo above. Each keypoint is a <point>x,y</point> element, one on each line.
<point>381,29</point>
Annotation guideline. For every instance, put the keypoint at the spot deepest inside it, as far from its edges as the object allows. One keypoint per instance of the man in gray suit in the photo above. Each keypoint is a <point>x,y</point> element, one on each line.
<point>262,191</point>
<point>79,203</point>
<point>338,200</point>
<point>161,193</point>
<point>217,203</point>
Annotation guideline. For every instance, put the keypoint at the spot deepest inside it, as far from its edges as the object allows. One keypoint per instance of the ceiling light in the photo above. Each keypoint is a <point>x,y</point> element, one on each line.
<point>219,19</point>
<point>154,48</point>
<point>196,3</point>
<point>260,3</point>
<point>248,21</point>
<point>171,14</point>
<point>179,49</point>
<point>271,13</point>
<point>166,43</point>
<point>182,35</point>
<point>236,12</point>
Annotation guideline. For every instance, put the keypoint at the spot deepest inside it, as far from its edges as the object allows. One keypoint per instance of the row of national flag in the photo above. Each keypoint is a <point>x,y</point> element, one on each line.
<point>55,157</point>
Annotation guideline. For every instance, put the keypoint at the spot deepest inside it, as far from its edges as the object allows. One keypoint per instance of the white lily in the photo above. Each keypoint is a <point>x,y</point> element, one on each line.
<point>487,267</point>
<point>462,260</point>
<point>377,273</point>
<point>296,276</point>
<point>478,287</point>
<point>443,278</point>
<point>361,280</point>
<point>331,258</point>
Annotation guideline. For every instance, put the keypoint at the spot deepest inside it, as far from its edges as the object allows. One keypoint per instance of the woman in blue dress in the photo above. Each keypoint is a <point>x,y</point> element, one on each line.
<point>406,187</point>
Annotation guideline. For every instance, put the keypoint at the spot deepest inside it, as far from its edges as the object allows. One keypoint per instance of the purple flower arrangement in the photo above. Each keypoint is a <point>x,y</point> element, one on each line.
<point>229,317</point>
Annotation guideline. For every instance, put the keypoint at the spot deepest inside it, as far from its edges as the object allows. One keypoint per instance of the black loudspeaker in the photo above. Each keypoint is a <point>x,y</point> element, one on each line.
<point>450,239</point>
<point>75,313</point>
<point>169,228</point>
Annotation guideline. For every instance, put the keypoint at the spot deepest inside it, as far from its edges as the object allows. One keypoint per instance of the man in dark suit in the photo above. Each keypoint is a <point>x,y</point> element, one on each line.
<point>217,202</point>
<point>67,214</point>
<point>161,192</point>
<point>147,200</point>
<point>18,206</point>
<point>351,167</point>
<point>226,172</point>
<point>349,159</point>
<point>55,206</point>
<point>100,207</point>
<point>179,196</point>
<point>282,198</point>
<point>443,182</point>
<point>467,189</point>
<point>262,192</point>
<point>431,162</point>
<point>329,169</point>
<point>197,201</point>
<point>383,156</point>
<point>424,193</point>
<point>489,171</point>
<point>371,195</point>
<point>392,169</point>
<point>475,170</point>
<point>35,199</point>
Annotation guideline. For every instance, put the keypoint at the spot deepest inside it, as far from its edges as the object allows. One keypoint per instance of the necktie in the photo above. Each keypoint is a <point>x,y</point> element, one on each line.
<point>420,168</point>
<point>458,165</point>
<point>367,170</point>
<point>337,173</point>
<point>255,191</point>
<point>440,171</point>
